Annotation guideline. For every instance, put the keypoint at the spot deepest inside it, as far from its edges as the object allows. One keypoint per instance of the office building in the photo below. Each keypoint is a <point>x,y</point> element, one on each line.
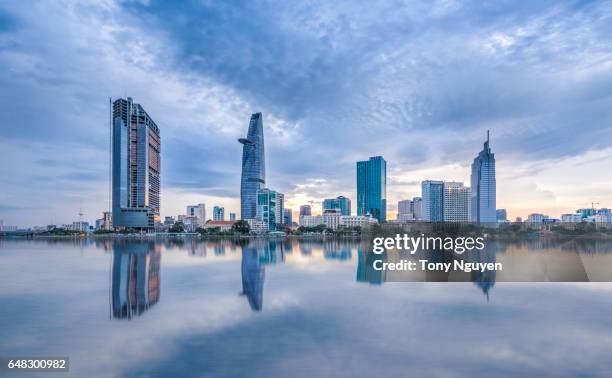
<point>417,203</point>
<point>218,213</point>
<point>198,211</point>
<point>484,186</point>
<point>280,210</point>
<point>311,220</point>
<point>501,215</point>
<point>268,207</point>
<point>406,211</point>
<point>342,203</point>
<point>135,166</point>
<point>456,205</point>
<point>331,218</point>
<point>536,218</point>
<point>432,194</point>
<point>305,210</point>
<point>571,218</point>
<point>372,188</point>
<point>232,217</point>
<point>107,220</point>
<point>287,217</point>
<point>253,176</point>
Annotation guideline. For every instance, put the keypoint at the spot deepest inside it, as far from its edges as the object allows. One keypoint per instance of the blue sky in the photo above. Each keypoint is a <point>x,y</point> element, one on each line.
<point>416,82</point>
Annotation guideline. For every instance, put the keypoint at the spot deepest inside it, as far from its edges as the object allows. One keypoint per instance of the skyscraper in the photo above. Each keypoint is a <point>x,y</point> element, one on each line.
<point>218,213</point>
<point>432,200</point>
<point>305,210</point>
<point>253,175</point>
<point>135,155</point>
<point>269,207</point>
<point>287,217</point>
<point>342,203</point>
<point>405,211</point>
<point>484,186</point>
<point>199,211</point>
<point>232,217</point>
<point>372,188</point>
<point>456,202</point>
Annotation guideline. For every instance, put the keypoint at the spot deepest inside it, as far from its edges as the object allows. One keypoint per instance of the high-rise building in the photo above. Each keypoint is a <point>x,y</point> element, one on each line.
<point>218,213</point>
<point>417,203</point>
<point>456,202</point>
<point>372,188</point>
<point>268,207</point>
<point>432,194</point>
<point>484,186</point>
<point>501,215</point>
<point>342,203</point>
<point>305,210</point>
<point>135,166</point>
<point>232,217</point>
<point>198,211</point>
<point>405,211</point>
<point>287,217</point>
<point>107,220</point>
<point>253,175</point>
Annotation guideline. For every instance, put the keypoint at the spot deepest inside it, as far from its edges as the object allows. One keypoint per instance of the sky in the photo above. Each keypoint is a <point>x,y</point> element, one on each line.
<point>417,82</point>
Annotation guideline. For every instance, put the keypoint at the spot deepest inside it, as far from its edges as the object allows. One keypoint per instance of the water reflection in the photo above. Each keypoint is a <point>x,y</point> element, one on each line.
<point>135,285</point>
<point>256,254</point>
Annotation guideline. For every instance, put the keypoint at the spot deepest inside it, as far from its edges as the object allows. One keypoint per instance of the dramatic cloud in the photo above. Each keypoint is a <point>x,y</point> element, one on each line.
<point>416,82</point>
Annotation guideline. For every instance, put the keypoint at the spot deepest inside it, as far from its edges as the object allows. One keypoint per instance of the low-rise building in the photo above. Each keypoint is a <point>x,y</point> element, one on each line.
<point>257,226</point>
<point>222,225</point>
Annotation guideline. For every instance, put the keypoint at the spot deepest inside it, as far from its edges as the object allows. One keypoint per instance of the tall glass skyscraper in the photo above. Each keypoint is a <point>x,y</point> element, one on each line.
<point>341,203</point>
<point>253,167</point>
<point>484,186</point>
<point>432,193</point>
<point>135,166</point>
<point>372,188</point>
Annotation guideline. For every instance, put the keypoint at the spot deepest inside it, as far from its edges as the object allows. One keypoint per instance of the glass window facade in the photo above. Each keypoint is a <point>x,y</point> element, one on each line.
<point>253,177</point>
<point>372,188</point>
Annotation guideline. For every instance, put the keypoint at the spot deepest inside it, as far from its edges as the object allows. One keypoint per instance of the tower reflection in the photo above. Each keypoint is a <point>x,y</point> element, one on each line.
<point>255,256</point>
<point>135,279</point>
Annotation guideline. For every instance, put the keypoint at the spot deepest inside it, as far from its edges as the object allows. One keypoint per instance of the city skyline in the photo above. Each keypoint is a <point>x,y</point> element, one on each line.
<point>535,75</point>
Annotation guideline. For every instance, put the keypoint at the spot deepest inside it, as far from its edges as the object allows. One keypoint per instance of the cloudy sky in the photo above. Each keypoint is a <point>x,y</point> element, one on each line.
<point>416,82</point>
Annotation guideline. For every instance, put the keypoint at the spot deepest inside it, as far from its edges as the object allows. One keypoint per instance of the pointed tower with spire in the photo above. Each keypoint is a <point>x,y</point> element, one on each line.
<point>483,197</point>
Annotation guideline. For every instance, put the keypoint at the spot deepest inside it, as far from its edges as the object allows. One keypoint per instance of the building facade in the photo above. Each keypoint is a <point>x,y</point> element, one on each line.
<point>287,217</point>
<point>456,202</point>
<point>268,208</point>
<point>305,210</point>
<point>484,186</point>
<point>253,177</point>
<point>342,203</point>
<point>198,211</point>
<point>372,188</point>
<point>135,155</point>
<point>432,194</point>
<point>218,213</point>
<point>501,215</point>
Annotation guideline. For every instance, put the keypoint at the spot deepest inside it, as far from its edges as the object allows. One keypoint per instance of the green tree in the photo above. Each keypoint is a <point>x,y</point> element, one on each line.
<point>241,227</point>
<point>177,227</point>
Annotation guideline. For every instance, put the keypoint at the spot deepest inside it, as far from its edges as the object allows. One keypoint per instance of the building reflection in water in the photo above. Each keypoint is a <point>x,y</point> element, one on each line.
<point>135,285</point>
<point>256,254</point>
<point>483,280</point>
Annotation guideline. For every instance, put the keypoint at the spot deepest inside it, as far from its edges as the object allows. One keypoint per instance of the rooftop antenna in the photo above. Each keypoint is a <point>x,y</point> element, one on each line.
<point>487,136</point>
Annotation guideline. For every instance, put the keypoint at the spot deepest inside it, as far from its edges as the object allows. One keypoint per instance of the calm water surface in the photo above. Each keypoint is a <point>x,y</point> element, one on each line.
<point>277,309</point>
